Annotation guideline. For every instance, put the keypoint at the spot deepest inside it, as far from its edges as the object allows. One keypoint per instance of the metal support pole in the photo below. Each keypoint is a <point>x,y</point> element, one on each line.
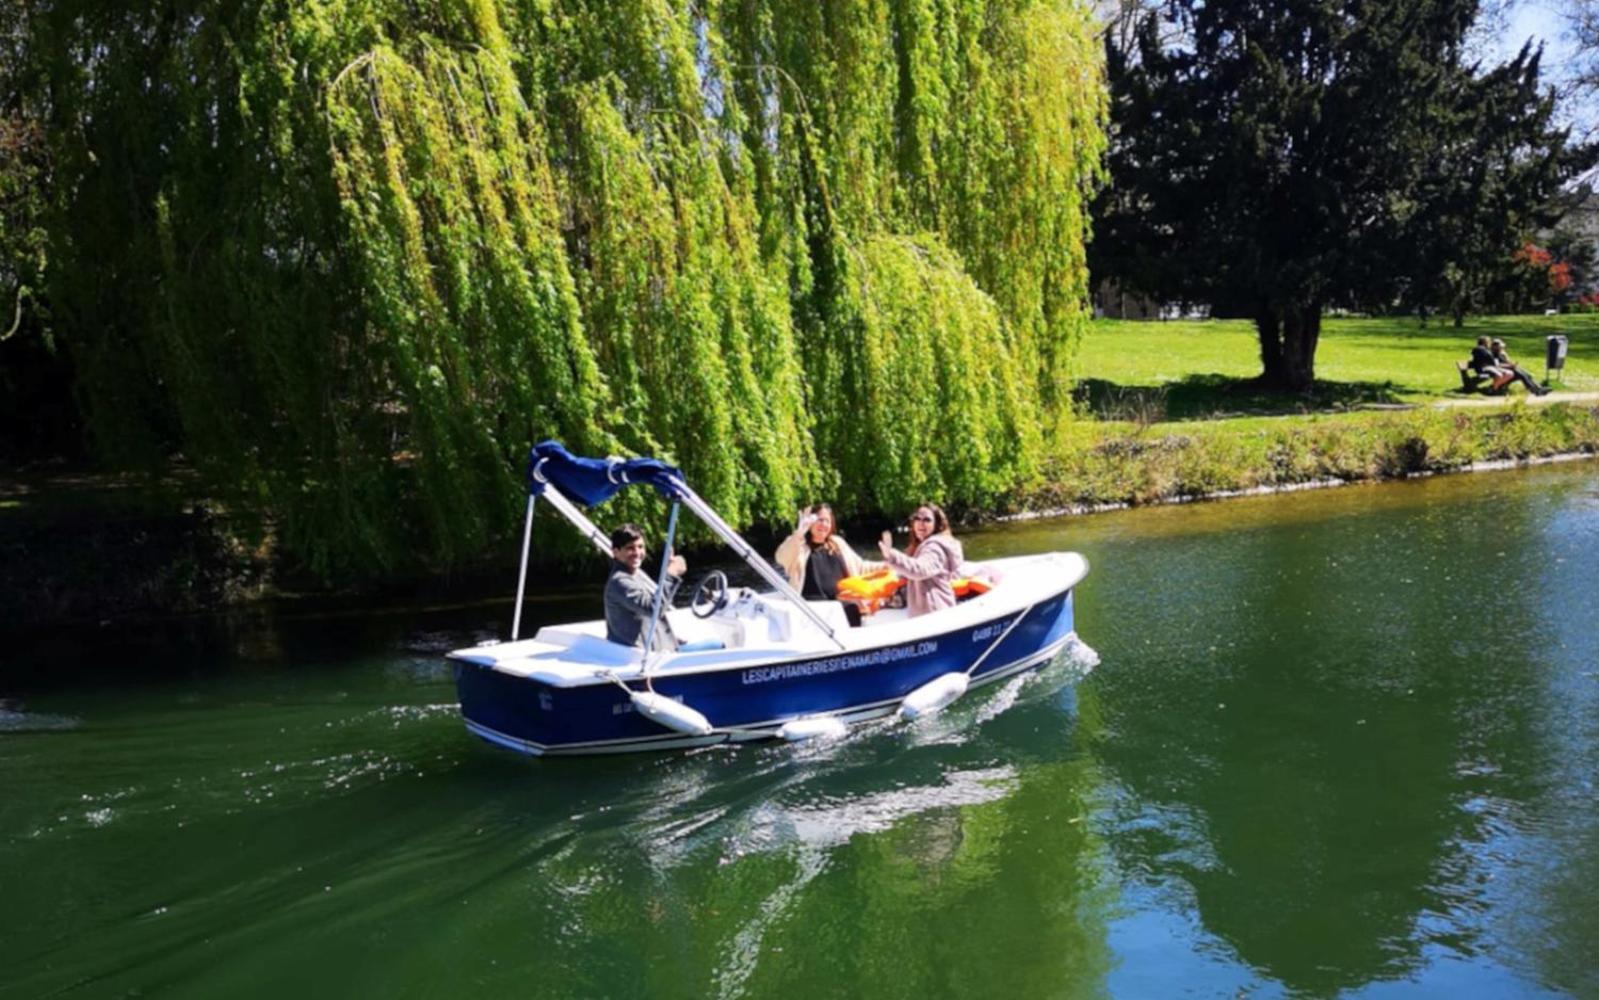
<point>521,580</point>
<point>714,521</point>
<point>579,520</point>
<point>660,584</point>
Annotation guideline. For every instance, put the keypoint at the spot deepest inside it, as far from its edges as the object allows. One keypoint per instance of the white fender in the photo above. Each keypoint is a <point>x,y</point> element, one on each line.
<point>671,714</point>
<point>934,695</point>
<point>827,727</point>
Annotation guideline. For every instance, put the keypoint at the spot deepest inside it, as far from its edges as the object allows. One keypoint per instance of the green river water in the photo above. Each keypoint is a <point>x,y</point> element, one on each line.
<point>1341,743</point>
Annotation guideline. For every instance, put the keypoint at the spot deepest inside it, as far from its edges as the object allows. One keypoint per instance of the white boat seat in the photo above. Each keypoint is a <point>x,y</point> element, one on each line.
<point>591,651</point>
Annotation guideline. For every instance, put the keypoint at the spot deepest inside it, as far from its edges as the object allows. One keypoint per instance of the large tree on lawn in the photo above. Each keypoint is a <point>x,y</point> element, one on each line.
<point>1279,158</point>
<point>1486,190</point>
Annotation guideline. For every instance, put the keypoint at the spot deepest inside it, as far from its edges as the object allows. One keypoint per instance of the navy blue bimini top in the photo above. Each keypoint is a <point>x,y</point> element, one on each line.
<point>595,480</point>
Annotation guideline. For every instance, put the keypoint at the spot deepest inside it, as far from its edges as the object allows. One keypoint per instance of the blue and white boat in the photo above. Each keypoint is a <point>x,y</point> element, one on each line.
<point>751,665</point>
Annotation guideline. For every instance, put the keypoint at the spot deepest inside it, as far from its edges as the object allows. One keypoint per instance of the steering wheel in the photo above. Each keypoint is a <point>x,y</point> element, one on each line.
<point>711,594</point>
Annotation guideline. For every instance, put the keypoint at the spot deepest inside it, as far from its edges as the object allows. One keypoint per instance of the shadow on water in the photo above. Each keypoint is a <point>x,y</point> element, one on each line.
<point>1208,396</point>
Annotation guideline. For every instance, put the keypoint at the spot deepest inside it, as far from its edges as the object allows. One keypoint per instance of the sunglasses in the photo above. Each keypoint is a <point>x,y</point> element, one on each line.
<point>923,517</point>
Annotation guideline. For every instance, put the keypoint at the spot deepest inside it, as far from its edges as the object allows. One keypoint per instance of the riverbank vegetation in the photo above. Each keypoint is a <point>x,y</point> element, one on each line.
<point>1177,415</point>
<point>1180,421</point>
<point>1128,463</point>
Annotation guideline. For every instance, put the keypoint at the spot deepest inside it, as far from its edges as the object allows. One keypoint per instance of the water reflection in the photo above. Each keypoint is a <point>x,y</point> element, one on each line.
<point>1338,784</point>
<point>199,836</point>
<point>807,869</point>
<point>1553,852</point>
<point>1340,744</point>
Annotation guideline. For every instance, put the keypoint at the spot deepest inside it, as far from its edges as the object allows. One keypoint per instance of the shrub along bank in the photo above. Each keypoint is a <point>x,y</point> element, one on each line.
<point>72,554</point>
<point>1121,463</point>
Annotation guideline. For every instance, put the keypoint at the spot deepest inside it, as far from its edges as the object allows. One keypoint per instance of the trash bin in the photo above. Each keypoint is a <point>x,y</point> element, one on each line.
<point>1554,354</point>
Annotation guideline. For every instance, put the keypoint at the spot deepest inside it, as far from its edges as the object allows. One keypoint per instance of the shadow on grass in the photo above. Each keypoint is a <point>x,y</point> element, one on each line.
<point>1203,397</point>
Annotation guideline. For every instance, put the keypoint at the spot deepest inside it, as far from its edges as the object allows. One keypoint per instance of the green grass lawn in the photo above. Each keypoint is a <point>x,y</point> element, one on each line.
<point>1149,372</point>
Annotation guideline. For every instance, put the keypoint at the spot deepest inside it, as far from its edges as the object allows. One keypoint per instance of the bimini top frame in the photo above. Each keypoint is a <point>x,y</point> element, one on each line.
<point>553,472</point>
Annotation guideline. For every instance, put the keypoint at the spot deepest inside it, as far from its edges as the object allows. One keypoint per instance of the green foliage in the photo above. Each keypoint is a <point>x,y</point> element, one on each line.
<point>1112,465</point>
<point>932,406</point>
<point>349,259</point>
<point>23,173</point>
<point>444,188</point>
<point>36,414</point>
<point>1573,245</point>
<point>975,119</point>
<point>1582,24</point>
<point>1483,191</point>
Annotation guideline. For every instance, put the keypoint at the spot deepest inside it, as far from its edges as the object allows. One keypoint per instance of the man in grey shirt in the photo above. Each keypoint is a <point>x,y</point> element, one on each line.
<point>630,593</point>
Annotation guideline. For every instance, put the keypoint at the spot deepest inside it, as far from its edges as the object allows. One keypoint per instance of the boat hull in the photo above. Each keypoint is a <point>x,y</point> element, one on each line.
<point>751,700</point>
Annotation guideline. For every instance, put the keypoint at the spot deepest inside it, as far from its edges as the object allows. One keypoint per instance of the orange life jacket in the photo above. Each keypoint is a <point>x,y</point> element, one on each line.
<point>870,590</point>
<point>970,586</point>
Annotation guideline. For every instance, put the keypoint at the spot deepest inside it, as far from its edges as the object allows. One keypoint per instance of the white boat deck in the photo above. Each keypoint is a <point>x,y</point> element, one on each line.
<point>765,629</point>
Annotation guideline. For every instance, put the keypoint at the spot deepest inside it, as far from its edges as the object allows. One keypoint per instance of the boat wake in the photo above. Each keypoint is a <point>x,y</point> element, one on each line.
<point>28,722</point>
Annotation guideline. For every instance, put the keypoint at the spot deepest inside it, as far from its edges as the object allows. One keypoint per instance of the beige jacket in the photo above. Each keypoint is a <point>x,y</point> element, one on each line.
<point>794,555</point>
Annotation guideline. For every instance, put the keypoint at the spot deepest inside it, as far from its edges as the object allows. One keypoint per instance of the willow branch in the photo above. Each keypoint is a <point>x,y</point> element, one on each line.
<point>16,320</point>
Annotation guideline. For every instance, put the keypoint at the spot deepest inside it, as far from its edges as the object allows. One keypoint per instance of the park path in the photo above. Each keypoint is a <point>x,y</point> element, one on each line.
<point>1530,400</point>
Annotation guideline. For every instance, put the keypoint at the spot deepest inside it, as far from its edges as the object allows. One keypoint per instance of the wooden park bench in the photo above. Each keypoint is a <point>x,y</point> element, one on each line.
<point>1470,380</point>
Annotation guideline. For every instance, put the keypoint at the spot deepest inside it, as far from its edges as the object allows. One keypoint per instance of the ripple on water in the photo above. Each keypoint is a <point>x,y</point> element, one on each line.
<point>736,800</point>
<point>401,715</point>
<point>829,822</point>
<point>91,811</point>
<point>29,722</point>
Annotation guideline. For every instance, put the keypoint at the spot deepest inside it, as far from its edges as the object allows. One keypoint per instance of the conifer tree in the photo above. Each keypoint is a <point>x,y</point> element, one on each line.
<point>1280,158</point>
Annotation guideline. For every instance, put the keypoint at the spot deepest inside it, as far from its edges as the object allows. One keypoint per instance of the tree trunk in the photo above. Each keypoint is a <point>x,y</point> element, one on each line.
<point>1288,337</point>
<point>1268,323</point>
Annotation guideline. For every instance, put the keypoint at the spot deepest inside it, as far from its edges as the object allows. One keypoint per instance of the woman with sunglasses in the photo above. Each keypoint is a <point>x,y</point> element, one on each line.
<point>815,559</point>
<point>929,564</point>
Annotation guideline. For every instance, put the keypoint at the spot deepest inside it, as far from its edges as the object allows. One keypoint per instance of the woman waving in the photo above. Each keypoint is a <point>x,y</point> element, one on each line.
<point>929,563</point>
<point>815,558</point>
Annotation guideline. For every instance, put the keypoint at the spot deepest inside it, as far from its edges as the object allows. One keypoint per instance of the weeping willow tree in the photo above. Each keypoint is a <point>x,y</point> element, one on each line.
<point>350,258</point>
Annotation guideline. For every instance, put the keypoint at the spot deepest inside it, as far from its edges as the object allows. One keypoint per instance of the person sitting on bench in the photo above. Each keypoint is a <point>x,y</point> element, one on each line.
<point>1503,363</point>
<point>1483,363</point>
